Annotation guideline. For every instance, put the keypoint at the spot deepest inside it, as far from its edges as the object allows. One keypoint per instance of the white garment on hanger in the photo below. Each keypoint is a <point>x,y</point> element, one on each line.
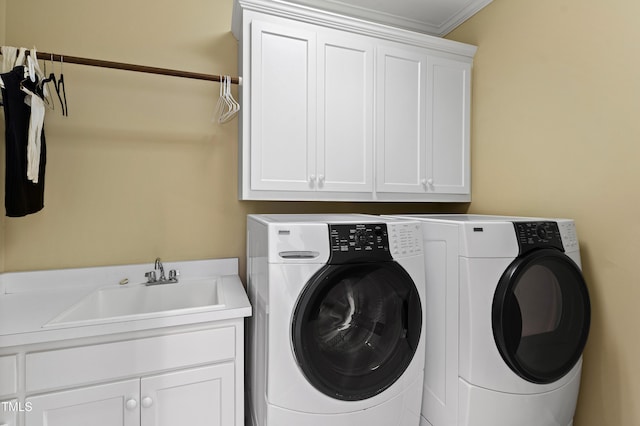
<point>34,145</point>
<point>22,55</point>
<point>34,141</point>
<point>9,55</point>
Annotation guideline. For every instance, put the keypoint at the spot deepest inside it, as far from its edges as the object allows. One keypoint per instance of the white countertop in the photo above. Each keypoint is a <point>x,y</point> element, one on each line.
<point>29,300</point>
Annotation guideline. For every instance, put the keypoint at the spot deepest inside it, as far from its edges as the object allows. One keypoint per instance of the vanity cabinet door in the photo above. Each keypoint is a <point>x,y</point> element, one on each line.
<point>202,396</point>
<point>113,404</point>
<point>9,412</point>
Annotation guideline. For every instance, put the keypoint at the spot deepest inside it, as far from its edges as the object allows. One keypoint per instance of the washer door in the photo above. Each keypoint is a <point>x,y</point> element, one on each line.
<point>541,315</point>
<point>356,328</point>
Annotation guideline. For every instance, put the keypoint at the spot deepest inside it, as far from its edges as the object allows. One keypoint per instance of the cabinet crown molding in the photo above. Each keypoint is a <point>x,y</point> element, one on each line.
<point>345,23</point>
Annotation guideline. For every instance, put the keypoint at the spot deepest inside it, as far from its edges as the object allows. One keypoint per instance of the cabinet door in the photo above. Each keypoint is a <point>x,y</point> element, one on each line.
<point>9,412</point>
<point>114,404</point>
<point>400,131</point>
<point>198,397</point>
<point>283,107</point>
<point>345,113</point>
<point>449,86</point>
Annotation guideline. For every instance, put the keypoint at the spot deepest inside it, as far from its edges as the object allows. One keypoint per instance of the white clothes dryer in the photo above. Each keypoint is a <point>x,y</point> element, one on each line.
<point>337,335</point>
<point>508,315</point>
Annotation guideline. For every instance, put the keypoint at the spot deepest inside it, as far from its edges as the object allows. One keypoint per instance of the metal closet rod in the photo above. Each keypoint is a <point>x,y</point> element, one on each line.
<point>132,67</point>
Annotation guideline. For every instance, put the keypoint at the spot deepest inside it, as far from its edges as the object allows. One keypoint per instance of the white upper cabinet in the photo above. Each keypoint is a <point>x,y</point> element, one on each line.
<point>345,113</point>
<point>400,120</point>
<point>311,109</point>
<point>448,122</point>
<point>283,105</point>
<point>347,110</point>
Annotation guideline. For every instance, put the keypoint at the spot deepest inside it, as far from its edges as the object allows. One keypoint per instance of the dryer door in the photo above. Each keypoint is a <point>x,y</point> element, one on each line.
<point>541,315</point>
<point>356,328</point>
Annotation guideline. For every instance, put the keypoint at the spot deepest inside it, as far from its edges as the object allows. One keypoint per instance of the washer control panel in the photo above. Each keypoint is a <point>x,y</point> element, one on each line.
<point>359,242</point>
<point>538,234</point>
<point>373,242</point>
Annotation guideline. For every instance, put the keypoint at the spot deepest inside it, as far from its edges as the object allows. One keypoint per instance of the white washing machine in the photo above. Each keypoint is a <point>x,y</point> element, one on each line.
<point>337,335</point>
<point>508,316</point>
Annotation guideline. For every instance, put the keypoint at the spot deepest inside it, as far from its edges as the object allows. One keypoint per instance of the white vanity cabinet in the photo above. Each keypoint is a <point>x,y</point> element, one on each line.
<point>341,109</point>
<point>188,376</point>
<point>160,364</point>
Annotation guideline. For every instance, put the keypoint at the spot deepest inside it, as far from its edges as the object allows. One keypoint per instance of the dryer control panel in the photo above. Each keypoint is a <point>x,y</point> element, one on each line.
<point>366,242</point>
<point>538,234</point>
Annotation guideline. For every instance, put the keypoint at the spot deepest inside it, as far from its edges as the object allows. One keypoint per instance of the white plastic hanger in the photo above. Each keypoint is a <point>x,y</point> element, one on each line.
<point>227,107</point>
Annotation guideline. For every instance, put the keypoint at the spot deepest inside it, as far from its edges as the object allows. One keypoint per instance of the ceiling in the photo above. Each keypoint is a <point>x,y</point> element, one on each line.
<point>435,17</point>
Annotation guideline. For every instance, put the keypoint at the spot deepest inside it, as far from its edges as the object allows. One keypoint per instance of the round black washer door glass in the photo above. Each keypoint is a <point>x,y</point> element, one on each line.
<point>541,315</point>
<point>356,328</point>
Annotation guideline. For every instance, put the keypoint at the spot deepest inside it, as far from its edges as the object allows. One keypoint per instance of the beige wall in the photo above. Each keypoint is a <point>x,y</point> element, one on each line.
<point>554,133</point>
<point>3,19</point>
<point>139,169</point>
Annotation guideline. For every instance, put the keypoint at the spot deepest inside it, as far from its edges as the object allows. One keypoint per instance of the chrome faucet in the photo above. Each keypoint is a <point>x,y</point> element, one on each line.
<point>158,265</point>
<point>151,275</point>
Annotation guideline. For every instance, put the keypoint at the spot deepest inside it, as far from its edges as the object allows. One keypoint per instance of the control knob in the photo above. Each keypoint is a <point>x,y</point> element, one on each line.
<point>361,237</point>
<point>541,231</point>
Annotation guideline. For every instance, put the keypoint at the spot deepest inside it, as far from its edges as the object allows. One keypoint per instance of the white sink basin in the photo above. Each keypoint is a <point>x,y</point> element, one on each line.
<point>129,302</point>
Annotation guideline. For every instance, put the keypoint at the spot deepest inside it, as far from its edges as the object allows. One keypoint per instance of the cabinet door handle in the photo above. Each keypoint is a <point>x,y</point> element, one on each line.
<point>312,180</point>
<point>147,402</point>
<point>132,404</point>
<point>430,181</point>
<point>320,180</point>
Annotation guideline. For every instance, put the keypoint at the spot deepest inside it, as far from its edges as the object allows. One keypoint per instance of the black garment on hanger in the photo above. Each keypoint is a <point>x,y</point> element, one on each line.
<point>22,197</point>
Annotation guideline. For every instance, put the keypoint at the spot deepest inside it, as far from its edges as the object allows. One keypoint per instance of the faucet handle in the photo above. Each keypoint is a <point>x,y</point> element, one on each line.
<point>173,275</point>
<point>151,276</point>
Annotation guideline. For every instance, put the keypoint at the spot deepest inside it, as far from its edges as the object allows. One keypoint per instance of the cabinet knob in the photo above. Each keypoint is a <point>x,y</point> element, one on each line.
<point>147,402</point>
<point>321,179</point>
<point>132,404</point>
<point>427,183</point>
